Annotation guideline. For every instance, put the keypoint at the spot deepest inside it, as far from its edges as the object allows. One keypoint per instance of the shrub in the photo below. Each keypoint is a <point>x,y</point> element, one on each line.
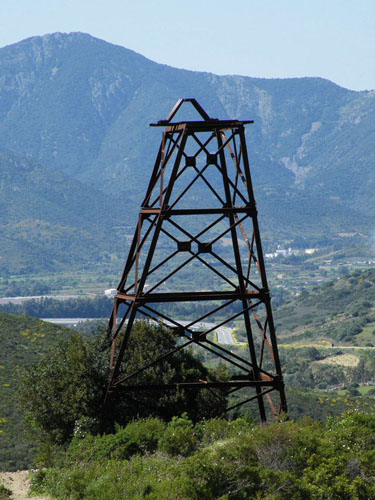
<point>179,438</point>
<point>5,493</point>
<point>140,437</point>
<point>213,430</point>
<point>145,434</point>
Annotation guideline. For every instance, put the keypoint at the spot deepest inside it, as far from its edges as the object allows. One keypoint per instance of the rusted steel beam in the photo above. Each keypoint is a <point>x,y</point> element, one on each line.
<point>207,125</point>
<point>251,211</point>
<point>189,296</point>
<point>199,385</point>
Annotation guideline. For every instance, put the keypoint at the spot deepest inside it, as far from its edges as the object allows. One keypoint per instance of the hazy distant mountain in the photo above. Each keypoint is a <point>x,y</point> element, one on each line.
<point>49,221</point>
<point>82,106</point>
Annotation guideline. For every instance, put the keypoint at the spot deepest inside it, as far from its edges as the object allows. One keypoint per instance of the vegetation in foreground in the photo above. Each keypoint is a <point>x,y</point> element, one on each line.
<point>64,391</point>
<point>168,457</point>
<point>144,451</point>
<point>23,340</point>
<point>217,459</point>
<point>318,382</point>
<point>5,493</point>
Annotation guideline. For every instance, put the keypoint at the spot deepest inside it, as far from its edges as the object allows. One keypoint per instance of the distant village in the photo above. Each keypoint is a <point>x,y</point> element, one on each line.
<point>286,252</point>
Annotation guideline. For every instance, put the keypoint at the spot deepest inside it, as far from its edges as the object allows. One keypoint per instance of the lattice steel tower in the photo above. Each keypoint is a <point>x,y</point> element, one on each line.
<point>199,213</point>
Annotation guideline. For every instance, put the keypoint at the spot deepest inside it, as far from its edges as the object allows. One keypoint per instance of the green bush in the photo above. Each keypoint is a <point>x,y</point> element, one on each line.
<point>214,430</point>
<point>138,437</point>
<point>217,429</point>
<point>179,438</point>
<point>37,481</point>
<point>5,493</point>
<point>145,434</point>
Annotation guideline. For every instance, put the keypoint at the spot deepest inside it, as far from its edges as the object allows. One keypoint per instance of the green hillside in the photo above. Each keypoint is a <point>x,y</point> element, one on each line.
<point>53,223</point>
<point>50,221</point>
<point>340,311</point>
<point>22,341</point>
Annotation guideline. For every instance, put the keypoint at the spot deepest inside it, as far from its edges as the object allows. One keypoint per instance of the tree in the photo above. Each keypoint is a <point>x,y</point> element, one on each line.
<point>147,343</point>
<point>65,390</point>
<point>66,384</point>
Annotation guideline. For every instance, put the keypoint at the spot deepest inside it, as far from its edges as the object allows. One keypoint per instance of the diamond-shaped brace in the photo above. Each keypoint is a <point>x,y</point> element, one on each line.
<point>204,247</point>
<point>190,161</point>
<point>184,246</point>
<point>211,159</point>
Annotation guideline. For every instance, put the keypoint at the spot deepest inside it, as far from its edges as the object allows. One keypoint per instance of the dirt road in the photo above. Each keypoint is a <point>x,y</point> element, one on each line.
<point>18,482</point>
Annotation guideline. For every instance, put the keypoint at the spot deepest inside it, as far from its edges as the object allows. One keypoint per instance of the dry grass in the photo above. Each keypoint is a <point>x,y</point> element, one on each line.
<point>350,360</point>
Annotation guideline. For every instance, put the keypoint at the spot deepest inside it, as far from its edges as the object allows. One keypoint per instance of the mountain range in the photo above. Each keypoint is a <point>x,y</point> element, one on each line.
<point>76,148</point>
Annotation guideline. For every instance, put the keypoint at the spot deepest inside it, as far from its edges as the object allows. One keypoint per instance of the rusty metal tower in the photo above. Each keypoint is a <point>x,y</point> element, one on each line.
<point>199,213</point>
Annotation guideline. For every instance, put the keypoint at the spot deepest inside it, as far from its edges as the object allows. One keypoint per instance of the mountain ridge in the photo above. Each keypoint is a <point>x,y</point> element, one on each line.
<point>82,106</point>
<point>224,95</point>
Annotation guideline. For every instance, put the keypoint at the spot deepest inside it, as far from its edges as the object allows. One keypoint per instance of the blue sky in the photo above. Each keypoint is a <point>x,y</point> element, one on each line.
<point>334,39</point>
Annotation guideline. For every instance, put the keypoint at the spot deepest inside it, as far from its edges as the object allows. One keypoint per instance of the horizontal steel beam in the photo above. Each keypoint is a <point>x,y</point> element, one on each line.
<point>206,124</point>
<point>250,210</point>
<point>190,296</point>
<point>200,385</point>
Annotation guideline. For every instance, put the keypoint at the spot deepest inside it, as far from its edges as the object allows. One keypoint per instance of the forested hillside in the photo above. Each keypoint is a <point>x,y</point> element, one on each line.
<point>75,105</point>
<point>22,342</point>
<point>47,220</point>
<point>95,101</point>
<point>340,311</point>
